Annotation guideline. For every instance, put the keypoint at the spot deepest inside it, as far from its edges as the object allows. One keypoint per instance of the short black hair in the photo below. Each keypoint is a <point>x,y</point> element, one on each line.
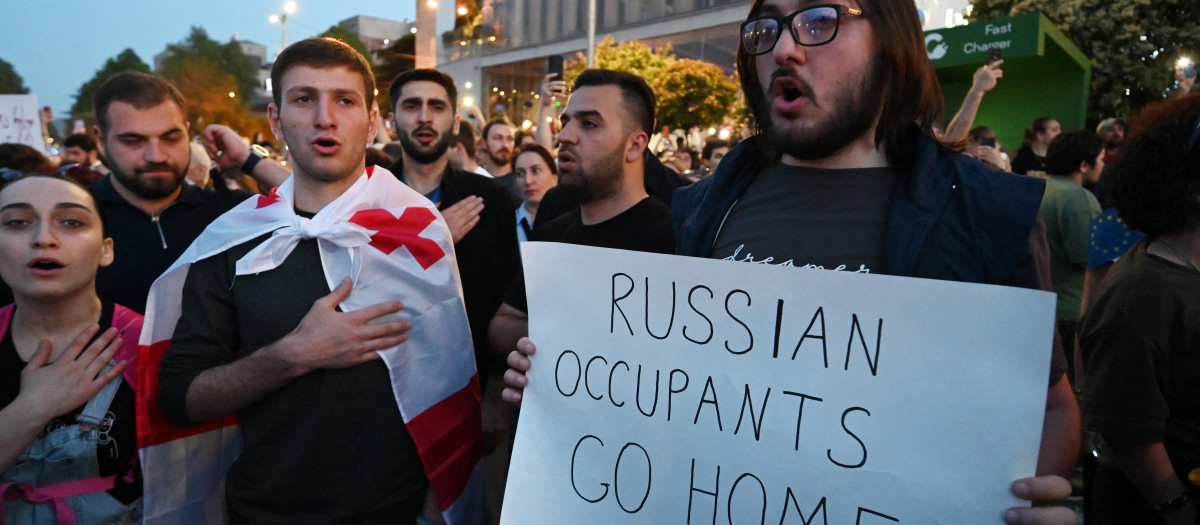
<point>636,93</point>
<point>428,75</point>
<point>1070,148</point>
<point>466,137</point>
<point>487,128</point>
<point>711,145</point>
<point>1155,185</point>
<point>140,90</point>
<point>83,141</point>
<point>322,53</point>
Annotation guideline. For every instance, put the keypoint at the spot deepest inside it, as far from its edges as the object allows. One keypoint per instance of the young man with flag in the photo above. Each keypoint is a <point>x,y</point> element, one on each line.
<point>287,314</point>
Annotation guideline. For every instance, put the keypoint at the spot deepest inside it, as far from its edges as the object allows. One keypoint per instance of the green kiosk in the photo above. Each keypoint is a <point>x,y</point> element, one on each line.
<point>1045,75</point>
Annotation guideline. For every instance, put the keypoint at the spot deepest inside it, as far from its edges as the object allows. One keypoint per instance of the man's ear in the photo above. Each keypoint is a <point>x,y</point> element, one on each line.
<point>636,145</point>
<point>373,126</point>
<point>273,117</point>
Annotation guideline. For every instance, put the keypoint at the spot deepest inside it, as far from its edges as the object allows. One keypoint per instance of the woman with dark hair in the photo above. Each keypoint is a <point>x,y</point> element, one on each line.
<point>1032,155</point>
<point>536,173</point>
<point>68,451</point>
<point>1140,337</point>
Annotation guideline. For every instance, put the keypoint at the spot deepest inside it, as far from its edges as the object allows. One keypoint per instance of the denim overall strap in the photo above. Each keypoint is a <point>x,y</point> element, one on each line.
<point>96,409</point>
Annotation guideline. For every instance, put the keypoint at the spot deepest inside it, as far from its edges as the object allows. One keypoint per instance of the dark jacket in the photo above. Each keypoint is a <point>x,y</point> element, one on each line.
<point>951,218</point>
<point>145,245</point>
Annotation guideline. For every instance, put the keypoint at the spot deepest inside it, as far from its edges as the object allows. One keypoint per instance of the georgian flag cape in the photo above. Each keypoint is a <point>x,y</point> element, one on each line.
<point>395,246</point>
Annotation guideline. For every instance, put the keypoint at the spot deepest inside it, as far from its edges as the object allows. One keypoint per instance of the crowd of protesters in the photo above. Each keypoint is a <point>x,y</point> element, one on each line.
<point>270,385</point>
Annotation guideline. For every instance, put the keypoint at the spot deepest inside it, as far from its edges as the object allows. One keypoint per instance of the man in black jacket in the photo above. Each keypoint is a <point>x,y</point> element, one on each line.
<point>480,214</point>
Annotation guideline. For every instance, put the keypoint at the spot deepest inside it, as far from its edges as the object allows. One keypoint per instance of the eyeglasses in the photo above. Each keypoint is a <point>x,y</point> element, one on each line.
<point>812,26</point>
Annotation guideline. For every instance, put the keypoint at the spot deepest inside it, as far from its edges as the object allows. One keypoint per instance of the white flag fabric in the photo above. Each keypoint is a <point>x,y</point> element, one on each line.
<point>395,246</point>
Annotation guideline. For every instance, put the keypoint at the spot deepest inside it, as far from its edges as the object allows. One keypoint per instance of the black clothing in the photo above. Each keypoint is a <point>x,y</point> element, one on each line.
<point>942,223</point>
<point>645,227</point>
<point>660,182</point>
<point>328,447</point>
<point>488,256</point>
<point>115,455</point>
<point>1139,340</point>
<point>145,245</point>
<point>773,222</point>
<point>1027,161</point>
<point>510,181</point>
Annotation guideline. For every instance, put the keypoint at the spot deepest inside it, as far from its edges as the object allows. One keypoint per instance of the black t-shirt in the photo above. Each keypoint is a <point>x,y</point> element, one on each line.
<point>811,218</point>
<point>1027,161</point>
<point>328,447</point>
<point>1140,341</point>
<point>645,227</point>
<point>116,449</point>
<point>837,220</point>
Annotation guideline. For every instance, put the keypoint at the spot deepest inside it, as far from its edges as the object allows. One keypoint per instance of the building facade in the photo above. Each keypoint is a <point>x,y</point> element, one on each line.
<point>497,49</point>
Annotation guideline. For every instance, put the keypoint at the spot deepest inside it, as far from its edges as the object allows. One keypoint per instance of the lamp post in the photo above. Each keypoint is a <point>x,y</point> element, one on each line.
<point>288,8</point>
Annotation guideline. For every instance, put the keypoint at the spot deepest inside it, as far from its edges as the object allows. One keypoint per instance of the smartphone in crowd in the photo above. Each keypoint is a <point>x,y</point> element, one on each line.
<point>554,65</point>
<point>993,55</point>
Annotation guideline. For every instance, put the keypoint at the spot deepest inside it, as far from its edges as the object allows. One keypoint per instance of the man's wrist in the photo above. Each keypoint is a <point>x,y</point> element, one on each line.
<point>254,155</point>
<point>1176,503</point>
<point>272,357</point>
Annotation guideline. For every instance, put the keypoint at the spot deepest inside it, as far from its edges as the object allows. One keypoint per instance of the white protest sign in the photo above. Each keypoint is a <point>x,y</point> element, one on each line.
<point>680,390</point>
<point>21,121</point>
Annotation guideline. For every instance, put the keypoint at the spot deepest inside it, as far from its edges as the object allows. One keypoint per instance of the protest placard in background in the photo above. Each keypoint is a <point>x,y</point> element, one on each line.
<point>21,121</point>
<point>680,390</point>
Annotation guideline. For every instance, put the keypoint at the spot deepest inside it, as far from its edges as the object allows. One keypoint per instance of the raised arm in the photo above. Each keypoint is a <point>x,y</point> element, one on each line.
<point>228,151</point>
<point>553,91</point>
<point>985,79</point>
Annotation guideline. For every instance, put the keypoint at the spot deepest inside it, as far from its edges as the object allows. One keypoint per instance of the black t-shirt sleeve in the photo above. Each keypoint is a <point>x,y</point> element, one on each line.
<point>206,335</point>
<point>1138,412</point>
<point>1033,271</point>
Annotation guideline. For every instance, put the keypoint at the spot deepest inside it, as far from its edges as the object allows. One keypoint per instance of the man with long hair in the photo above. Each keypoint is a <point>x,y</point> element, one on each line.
<point>846,173</point>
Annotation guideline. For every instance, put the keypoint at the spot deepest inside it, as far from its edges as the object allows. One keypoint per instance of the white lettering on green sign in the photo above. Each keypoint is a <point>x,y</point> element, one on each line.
<point>998,30</point>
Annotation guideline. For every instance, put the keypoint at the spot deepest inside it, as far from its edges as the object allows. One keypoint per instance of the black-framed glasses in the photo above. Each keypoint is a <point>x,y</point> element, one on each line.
<point>811,26</point>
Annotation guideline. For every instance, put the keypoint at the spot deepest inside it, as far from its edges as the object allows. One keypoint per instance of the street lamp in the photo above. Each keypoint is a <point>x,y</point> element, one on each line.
<point>288,8</point>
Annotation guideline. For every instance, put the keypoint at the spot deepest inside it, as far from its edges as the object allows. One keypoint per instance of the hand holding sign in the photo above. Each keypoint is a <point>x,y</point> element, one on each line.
<point>518,363</point>
<point>884,424</point>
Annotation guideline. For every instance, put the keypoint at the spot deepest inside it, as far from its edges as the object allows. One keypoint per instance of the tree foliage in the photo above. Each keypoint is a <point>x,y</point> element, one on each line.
<point>126,60</point>
<point>693,93</point>
<point>228,56</point>
<point>395,58</point>
<point>689,92</point>
<point>1132,44</point>
<point>206,72</point>
<point>11,82</point>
